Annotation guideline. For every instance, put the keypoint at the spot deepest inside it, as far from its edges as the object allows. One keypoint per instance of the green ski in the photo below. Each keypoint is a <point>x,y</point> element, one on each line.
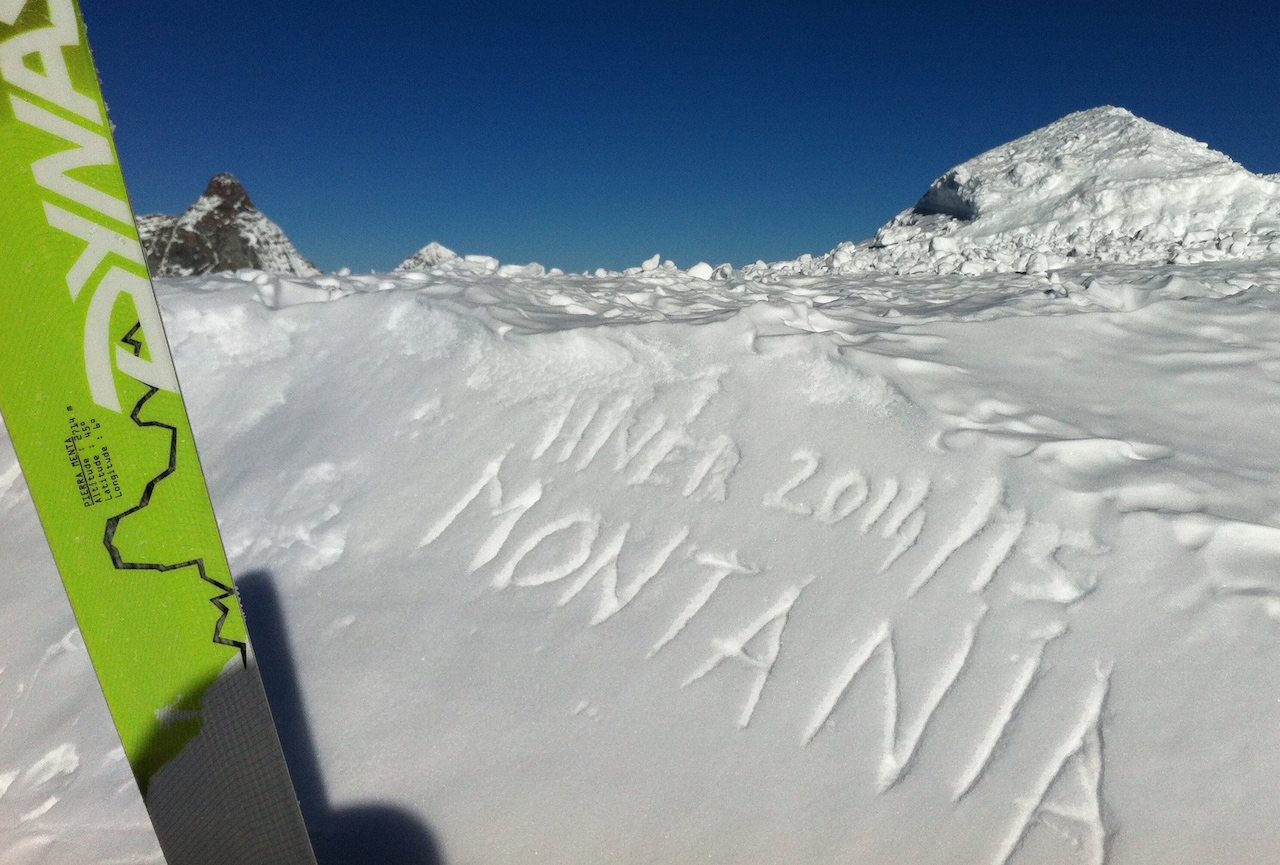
<point>91,400</point>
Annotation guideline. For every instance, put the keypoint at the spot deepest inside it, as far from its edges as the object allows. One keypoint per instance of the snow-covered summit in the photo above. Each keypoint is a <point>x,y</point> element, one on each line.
<point>1097,185</point>
<point>427,257</point>
<point>222,231</point>
<point>1051,171</point>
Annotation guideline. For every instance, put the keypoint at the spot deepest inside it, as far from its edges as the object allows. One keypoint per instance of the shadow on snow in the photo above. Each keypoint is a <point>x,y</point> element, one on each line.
<point>352,835</point>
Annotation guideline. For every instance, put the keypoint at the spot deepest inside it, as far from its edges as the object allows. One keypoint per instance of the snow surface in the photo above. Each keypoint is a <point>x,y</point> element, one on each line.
<point>773,565</point>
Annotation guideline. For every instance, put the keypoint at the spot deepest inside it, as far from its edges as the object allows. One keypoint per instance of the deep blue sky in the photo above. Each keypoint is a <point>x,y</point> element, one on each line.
<point>583,135</point>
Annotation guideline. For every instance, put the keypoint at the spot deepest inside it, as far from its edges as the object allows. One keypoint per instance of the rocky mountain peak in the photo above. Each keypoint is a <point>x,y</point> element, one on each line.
<point>222,231</point>
<point>229,191</point>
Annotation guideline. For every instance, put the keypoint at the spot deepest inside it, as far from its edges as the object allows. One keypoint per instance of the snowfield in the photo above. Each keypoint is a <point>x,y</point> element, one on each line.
<point>808,562</point>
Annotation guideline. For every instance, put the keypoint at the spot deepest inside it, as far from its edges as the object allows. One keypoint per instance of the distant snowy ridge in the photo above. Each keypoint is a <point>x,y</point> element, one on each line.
<point>222,231</point>
<point>440,261</point>
<point>1096,186</point>
<point>437,259</point>
<point>1101,185</point>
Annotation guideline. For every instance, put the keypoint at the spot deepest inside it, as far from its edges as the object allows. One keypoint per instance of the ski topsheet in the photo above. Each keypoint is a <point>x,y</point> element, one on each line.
<point>90,397</point>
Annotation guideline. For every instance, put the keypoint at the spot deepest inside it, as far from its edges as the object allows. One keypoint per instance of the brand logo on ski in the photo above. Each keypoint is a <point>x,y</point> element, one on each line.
<point>91,401</point>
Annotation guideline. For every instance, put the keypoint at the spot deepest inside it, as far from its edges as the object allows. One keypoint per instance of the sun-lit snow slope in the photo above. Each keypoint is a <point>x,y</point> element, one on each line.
<point>660,569</point>
<point>1097,185</point>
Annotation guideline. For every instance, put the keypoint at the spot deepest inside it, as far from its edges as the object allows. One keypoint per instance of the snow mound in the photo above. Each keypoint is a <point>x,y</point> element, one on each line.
<point>1096,186</point>
<point>222,231</point>
<point>427,257</point>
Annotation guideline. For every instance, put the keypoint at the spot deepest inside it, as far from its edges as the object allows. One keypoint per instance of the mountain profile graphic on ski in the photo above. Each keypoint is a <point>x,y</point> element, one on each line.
<point>90,397</point>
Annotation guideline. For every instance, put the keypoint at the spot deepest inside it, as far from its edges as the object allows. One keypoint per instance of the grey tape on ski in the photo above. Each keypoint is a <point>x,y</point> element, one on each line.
<point>227,799</point>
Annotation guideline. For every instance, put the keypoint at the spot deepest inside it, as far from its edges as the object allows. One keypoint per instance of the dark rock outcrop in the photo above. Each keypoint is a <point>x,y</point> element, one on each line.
<point>222,231</point>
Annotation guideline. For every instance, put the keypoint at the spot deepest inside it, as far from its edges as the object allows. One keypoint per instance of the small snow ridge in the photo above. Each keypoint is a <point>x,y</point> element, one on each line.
<point>9,477</point>
<point>701,270</point>
<point>833,382</point>
<point>39,811</point>
<point>62,760</point>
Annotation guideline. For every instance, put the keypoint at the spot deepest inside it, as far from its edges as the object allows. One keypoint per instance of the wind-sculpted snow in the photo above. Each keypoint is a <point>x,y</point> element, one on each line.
<point>648,566</point>
<point>527,299</point>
